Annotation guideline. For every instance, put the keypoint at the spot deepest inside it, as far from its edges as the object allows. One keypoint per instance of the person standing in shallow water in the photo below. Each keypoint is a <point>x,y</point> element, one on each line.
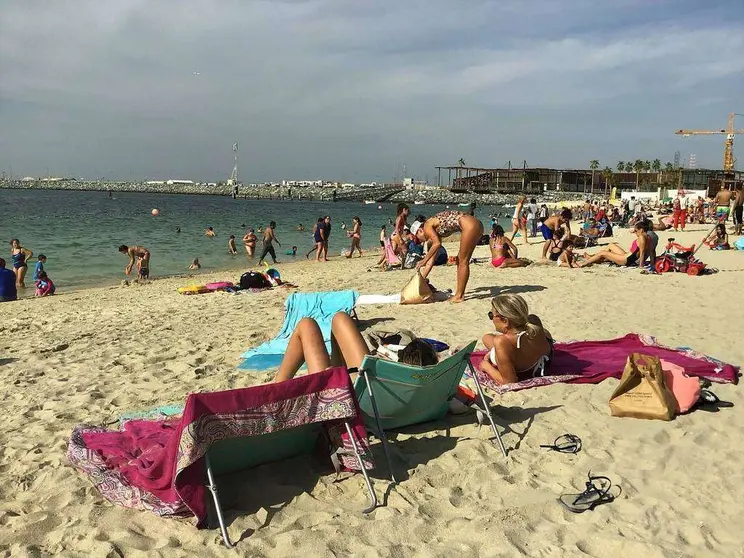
<point>20,256</point>
<point>139,255</point>
<point>268,243</point>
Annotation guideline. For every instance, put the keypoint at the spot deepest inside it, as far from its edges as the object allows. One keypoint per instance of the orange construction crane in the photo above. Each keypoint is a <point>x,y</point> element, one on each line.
<point>728,150</point>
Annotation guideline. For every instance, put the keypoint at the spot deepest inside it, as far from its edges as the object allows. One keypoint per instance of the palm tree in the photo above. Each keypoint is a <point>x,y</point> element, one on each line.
<point>608,175</point>
<point>628,167</point>
<point>656,165</point>
<point>646,165</point>
<point>620,166</point>
<point>668,167</point>
<point>594,165</point>
<point>638,167</point>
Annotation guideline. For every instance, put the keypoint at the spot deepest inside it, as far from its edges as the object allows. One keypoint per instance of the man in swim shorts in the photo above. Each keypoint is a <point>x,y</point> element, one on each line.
<point>738,208</point>
<point>141,256</point>
<point>552,224</point>
<point>722,201</point>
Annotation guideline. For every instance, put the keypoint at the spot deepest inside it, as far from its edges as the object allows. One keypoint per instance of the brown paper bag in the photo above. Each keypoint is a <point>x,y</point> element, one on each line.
<point>642,392</point>
<point>417,291</point>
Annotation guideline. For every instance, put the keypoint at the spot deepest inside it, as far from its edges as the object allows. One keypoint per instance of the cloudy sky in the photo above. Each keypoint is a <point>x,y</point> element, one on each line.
<point>353,89</point>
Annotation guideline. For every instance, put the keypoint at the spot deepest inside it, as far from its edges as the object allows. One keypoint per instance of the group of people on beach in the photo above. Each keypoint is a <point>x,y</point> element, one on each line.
<point>11,281</point>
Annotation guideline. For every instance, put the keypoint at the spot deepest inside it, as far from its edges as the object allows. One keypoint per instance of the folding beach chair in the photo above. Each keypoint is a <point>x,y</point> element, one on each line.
<point>393,395</point>
<point>168,466</point>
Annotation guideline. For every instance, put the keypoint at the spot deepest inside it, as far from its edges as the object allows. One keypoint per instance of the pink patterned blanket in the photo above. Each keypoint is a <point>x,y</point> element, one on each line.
<point>591,362</point>
<point>158,465</point>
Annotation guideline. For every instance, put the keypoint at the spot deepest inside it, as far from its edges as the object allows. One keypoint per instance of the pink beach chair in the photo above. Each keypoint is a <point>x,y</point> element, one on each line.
<point>168,466</point>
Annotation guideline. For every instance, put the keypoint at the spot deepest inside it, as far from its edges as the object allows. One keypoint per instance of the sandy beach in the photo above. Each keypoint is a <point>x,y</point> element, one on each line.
<point>90,355</point>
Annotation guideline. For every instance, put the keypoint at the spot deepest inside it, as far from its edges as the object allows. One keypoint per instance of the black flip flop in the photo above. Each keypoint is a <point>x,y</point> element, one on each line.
<point>597,492</point>
<point>566,443</point>
<point>708,401</point>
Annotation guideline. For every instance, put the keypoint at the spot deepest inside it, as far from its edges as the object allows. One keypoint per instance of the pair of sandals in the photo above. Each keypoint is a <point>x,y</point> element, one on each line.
<point>599,489</point>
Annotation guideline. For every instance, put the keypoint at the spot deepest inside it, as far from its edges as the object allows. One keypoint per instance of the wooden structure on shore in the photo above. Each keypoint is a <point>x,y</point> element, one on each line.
<point>510,180</point>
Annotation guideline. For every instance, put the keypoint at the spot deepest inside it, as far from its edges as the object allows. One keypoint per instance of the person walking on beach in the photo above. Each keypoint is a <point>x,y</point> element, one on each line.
<point>396,237</point>
<point>518,223</point>
<point>532,212</point>
<point>231,246</point>
<point>327,233</point>
<point>20,256</point>
<point>356,237</point>
<point>441,226</point>
<point>738,208</point>
<point>268,243</point>
<point>250,239</point>
<point>679,209</point>
<point>318,239</point>
<point>723,202</point>
<point>8,289</point>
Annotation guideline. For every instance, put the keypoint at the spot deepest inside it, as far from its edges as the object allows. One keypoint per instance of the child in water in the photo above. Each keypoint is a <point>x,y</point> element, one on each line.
<point>292,252</point>
<point>39,266</point>
<point>210,232</point>
<point>44,285</point>
<point>231,246</point>
<point>195,264</point>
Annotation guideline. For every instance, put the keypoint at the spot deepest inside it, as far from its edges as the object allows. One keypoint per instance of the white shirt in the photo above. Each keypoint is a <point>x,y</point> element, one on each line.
<point>684,202</point>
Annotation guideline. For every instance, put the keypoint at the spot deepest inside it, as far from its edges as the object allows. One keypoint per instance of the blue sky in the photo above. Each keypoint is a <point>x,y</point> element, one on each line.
<point>352,90</point>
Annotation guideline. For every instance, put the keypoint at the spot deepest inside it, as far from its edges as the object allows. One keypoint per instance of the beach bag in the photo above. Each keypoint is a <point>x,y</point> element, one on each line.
<point>642,392</point>
<point>686,389</point>
<point>411,260</point>
<point>254,280</point>
<point>417,291</point>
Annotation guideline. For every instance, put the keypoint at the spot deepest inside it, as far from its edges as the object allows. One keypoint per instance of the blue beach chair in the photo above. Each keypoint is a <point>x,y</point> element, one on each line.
<point>393,395</point>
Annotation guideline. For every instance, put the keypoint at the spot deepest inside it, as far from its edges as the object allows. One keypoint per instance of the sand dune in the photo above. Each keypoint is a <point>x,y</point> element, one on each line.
<point>87,356</point>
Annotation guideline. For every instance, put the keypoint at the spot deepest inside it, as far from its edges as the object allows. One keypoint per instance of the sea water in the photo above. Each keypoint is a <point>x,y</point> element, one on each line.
<point>80,232</point>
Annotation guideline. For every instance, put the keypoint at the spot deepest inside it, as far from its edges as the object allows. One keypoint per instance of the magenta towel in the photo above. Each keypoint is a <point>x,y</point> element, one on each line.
<point>590,362</point>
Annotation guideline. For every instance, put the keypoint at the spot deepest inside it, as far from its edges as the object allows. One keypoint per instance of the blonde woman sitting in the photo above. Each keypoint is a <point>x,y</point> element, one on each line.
<point>521,348</point>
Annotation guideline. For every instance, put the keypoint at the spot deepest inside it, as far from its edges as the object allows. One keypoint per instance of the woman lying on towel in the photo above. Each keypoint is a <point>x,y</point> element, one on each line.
<point>348,348</point>
<point>615,254</point>
<point>521,348</point>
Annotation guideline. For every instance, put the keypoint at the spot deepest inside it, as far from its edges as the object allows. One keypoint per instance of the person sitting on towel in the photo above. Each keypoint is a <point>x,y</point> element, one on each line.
<point>348,349</point>
<point>521,348</point>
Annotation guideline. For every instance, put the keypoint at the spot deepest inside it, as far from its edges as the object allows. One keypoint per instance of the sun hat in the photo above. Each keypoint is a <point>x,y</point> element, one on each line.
<point>415,227</point>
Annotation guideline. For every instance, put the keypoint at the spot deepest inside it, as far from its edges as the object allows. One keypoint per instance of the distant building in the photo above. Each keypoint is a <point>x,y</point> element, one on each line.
<point>172,182</point>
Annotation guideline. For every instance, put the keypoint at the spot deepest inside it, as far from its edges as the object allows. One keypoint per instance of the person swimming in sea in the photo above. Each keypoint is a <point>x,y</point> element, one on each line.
<point>231,248</point>
<point>209,231</point>
<point>194,265</point>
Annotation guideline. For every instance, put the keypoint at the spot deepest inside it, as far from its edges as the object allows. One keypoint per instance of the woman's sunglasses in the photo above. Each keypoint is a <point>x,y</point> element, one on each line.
<point>491,316</point>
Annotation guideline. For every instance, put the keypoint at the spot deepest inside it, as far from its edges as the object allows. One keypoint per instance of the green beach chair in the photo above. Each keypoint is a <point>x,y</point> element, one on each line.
<point>393,395</point>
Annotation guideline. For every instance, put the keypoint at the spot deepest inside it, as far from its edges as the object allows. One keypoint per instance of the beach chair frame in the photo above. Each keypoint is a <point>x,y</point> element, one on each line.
<point>212,487</point>
<point>379,430</point>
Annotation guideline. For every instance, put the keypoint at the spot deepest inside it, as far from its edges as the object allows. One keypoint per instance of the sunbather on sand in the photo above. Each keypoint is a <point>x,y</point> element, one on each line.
<point>615,254</point>
<point>503,251</point>
<point>522,348</point>
<point>568,257</point>
<point>306,345</point>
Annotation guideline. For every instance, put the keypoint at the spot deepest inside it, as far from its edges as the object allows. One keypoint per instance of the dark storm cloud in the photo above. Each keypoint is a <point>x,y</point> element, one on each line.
<point>351,90</point>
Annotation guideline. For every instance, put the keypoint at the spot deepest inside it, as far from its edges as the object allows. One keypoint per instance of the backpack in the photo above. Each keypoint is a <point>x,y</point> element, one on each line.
<point>254,280</point>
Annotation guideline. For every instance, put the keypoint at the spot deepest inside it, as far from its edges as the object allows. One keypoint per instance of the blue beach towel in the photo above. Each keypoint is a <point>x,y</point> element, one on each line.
<point>319,306</point>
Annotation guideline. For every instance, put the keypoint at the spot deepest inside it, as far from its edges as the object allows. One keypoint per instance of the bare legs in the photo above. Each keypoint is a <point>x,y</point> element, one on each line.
<point>613,253</point>
<point>348,347</point>
<point>471,232</point>
<point>354,246</point>
<point>20,273</point>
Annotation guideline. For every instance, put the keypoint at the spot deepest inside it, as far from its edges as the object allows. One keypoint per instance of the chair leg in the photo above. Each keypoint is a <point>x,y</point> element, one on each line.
<point>486,408</point>
<point>372,496</point>
<point>212,486</point>
<point>380,431</point>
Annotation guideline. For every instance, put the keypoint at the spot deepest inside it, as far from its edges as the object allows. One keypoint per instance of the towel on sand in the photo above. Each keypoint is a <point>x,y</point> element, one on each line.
<point>591,362</point>
<point>319,306</point>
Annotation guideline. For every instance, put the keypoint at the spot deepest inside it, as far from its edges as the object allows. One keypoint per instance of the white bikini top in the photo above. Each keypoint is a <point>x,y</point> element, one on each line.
<point>537,369</point>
